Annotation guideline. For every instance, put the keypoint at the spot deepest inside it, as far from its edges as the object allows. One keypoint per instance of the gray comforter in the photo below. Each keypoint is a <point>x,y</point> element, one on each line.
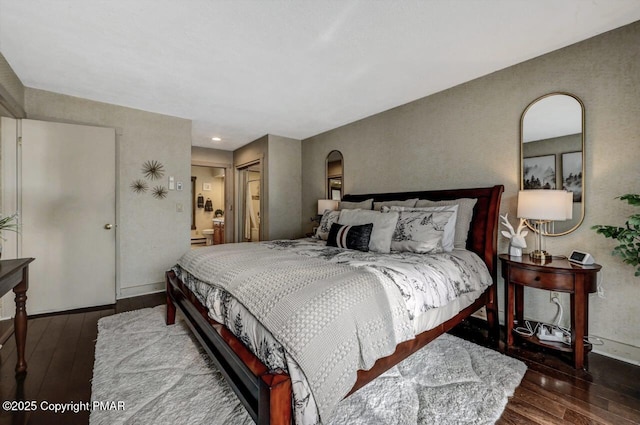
<point>333,319</point>
<point>334,311</point>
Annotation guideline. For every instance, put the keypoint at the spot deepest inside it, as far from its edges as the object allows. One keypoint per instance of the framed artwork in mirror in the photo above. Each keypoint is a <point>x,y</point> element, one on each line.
<point>572,174</point>
<point>539,172</point>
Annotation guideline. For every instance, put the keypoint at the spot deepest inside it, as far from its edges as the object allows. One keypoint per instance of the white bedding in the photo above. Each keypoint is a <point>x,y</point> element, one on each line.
<point>434,287</point>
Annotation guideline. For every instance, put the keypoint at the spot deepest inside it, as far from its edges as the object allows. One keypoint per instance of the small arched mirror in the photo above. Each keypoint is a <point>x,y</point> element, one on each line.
<point>552,151</point>
<point>334,180</point>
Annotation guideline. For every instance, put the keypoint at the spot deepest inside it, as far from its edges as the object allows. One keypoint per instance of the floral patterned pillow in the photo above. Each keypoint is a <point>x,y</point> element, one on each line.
<point>328,218</point>
<point>420,231</point>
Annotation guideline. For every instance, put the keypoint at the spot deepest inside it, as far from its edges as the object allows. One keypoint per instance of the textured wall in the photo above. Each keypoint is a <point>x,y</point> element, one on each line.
<point>285,186</point>
<point>152,235</point>
<point>468,136</point>
<point>282,182</point>
<point>211,156</point>
<point>11,87</point>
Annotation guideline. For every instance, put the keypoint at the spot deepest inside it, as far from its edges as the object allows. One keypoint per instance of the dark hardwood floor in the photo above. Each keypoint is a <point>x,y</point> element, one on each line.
<point>607,391</point>
<point>60,356</point>
<point>60,353</point>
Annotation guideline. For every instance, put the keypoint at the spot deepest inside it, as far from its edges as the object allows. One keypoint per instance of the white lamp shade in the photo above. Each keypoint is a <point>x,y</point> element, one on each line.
<point>540,204</point>
<point>326,204</point>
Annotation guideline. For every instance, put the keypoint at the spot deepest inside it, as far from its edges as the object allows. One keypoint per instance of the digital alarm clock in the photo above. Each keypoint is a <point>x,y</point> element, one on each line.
<point>580,257</point>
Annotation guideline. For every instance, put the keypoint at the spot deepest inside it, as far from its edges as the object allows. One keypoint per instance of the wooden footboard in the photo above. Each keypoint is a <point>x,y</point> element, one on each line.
<point>268,397</point>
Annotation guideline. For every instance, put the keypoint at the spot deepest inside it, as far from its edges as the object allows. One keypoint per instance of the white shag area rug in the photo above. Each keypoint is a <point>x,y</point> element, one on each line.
<point>163,377</point>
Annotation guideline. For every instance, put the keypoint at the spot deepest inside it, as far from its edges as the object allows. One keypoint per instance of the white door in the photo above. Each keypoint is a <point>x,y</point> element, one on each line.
<point>68,186</point>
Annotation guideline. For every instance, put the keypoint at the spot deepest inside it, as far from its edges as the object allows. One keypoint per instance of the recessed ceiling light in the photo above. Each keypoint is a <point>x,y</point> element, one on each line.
<point>216,139</point>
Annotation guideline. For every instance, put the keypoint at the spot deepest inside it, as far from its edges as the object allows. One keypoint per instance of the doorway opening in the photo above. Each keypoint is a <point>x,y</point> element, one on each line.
<point>249,193</point>
<point>208,205</point>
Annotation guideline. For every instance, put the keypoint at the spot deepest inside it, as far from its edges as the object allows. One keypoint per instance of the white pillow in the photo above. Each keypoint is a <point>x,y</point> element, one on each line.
<point>448,238</point>
<point>384,224</point>
<point>463,220</point>
<point>408,203</point>
<point>328,218</point>
<point>420,231</point>
<point>364,205</point>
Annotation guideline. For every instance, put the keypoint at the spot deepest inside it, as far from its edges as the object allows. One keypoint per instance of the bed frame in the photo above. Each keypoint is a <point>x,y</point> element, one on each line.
<point>267,396</point>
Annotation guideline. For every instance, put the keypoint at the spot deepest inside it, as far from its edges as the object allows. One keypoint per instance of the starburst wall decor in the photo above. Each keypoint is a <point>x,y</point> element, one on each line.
<point>159,192</point>
<point>139,186</point>
<point>153,170</point>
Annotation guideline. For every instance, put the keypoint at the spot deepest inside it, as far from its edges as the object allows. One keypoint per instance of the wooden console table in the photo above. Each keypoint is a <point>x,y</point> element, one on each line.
<point>558,275</point>
<point>14,274</point>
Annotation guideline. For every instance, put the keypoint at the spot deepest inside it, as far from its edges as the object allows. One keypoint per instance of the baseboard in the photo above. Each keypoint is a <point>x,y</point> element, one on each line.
<point>617,350</point>
<point>480,314</point>
<point>134,291</point>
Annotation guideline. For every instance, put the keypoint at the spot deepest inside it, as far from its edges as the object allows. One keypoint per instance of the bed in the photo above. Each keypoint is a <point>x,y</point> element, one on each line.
<point>267,392</point>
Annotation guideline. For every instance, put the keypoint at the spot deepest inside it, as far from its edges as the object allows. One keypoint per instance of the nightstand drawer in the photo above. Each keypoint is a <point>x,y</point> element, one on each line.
<point>542,280</point>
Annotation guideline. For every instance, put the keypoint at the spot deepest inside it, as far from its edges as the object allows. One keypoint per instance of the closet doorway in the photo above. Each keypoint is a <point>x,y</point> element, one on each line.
<point>249,202</point>
<point>208,207</point>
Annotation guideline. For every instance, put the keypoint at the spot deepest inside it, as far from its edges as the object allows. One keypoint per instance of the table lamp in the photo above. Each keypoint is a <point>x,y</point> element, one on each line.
<point>540,207</point>
<point>324,205</point>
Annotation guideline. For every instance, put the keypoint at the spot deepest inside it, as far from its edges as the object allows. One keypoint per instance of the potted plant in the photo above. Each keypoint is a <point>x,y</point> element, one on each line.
<point>627,236</point>
<point>8,223</point>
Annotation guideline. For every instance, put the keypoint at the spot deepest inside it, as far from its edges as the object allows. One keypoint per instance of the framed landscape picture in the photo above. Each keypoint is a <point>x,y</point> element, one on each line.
<point>572,174</point>
<point>539,172</point>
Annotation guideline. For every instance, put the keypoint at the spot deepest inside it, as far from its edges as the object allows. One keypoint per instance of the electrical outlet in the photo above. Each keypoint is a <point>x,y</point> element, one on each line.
<point>554,294</point>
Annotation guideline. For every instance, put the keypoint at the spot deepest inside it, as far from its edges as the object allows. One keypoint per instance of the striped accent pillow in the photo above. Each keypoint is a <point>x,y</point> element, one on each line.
<point>350,236</point>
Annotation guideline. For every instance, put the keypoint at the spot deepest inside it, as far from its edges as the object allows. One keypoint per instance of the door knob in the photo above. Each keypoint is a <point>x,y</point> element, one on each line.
<point>108,226</point>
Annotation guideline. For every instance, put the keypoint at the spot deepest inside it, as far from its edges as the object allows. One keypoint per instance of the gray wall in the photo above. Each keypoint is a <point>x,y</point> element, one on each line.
<point>468,136</point>
<point>280,203</point>
<point>249,153</point>
<point>152,235</point>
<point>211,156</point>
<point>11,91</point>
<point>285,187</point>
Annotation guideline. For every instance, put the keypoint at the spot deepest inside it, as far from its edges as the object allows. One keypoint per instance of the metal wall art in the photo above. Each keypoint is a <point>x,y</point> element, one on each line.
<point>159,192</point>
<point>139,186</point>
<point>151,170</point>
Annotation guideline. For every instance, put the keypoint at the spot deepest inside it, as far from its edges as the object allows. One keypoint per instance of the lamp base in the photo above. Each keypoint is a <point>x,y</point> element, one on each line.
<point>539,255</point>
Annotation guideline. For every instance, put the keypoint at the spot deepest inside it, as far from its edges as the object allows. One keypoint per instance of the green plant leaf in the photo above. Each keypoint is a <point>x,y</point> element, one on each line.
<point>631,198</point>
<point>628,237</point>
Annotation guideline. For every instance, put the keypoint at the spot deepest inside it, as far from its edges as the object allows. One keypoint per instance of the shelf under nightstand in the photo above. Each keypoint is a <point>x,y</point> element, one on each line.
<point>558,275</point>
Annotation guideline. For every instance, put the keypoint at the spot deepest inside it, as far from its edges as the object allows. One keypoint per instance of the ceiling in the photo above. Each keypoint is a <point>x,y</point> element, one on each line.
<point>295,68</point>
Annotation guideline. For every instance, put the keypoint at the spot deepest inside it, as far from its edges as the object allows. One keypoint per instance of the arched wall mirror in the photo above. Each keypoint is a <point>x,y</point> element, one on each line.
<point>334,169</point>
<point>552,151</point>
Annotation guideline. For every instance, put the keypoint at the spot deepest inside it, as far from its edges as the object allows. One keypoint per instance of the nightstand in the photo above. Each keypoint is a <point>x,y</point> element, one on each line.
<point>558,275</point>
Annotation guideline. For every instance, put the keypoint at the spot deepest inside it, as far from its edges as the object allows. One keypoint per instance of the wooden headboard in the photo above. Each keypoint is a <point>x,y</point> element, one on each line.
<point>482,238</point>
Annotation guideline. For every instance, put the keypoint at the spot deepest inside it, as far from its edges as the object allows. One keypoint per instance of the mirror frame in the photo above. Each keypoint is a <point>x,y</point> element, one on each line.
<point>328,177</point>
<point>193,202</point>
<point>582,109</point>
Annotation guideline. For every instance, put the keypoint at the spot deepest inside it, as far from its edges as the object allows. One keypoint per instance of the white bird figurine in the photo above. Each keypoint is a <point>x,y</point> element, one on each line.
<point>516,237</point>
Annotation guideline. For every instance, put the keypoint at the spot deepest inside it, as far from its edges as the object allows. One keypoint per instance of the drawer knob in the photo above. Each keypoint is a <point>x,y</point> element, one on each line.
<point>537,278</point>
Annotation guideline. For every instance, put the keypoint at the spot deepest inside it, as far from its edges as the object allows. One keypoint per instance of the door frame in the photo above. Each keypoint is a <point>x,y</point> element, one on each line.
<point>228,194</point>
<point>9,148</point>
<point>11,190</point>
<point>240,211</point>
